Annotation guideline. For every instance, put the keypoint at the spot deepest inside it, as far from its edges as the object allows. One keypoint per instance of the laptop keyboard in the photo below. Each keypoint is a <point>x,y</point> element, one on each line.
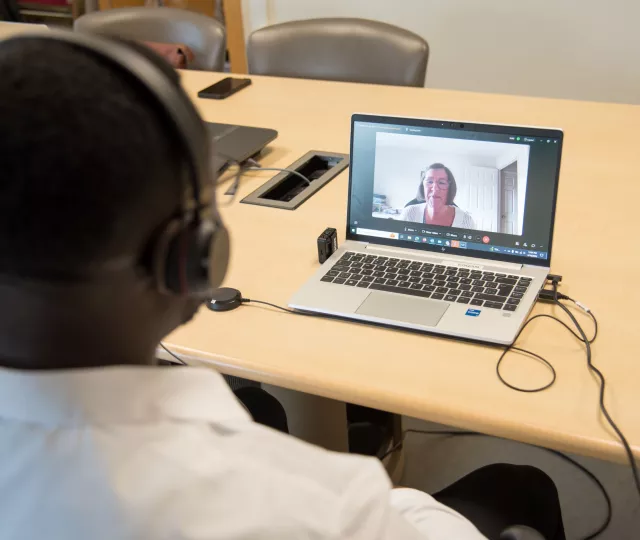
<point>448,283</point>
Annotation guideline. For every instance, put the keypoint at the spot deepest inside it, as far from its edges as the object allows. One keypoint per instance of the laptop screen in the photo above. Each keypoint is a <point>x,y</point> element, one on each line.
<point>467,189</point>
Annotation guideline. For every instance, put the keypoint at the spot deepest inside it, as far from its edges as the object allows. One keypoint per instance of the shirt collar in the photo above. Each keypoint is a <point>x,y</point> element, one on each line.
<point>117,394</point>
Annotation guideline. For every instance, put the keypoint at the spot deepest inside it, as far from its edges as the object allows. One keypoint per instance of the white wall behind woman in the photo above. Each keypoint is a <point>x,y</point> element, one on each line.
<point>579,49</point>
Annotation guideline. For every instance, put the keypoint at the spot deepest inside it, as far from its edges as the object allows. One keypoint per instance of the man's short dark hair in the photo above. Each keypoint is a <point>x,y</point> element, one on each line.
<point>84,159</point>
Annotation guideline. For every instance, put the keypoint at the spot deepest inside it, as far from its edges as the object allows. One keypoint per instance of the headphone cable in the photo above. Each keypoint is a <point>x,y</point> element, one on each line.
<point>286,310</point>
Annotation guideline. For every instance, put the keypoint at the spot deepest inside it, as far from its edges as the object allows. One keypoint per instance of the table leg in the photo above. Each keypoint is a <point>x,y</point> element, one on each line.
<point>314,419</point>
<point>394,462</point>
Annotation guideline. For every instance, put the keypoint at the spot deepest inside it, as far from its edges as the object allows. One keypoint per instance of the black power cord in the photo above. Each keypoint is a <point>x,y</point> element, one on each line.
<point>512,347</point>
<point>554,296</point>
<point>450,433</point>
<point>603,382</point>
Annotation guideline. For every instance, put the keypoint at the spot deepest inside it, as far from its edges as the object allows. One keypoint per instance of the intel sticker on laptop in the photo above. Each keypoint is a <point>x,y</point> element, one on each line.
<point>473,312</point>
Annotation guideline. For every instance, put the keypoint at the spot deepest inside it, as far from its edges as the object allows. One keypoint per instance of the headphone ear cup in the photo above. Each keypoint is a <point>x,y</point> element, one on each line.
<point>207,258</point>
<point>165,265</point>
<point>191,260</point>
<point>219,255</point>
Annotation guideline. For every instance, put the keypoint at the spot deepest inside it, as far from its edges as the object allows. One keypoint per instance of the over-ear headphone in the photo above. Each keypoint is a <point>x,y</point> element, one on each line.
<point>190,255</point>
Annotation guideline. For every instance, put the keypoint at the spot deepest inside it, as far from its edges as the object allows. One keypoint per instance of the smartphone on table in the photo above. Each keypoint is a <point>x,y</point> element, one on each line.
<point>224,88</point>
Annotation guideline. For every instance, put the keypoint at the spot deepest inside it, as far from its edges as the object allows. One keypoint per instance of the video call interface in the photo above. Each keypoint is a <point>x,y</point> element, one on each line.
<point>454,188</point>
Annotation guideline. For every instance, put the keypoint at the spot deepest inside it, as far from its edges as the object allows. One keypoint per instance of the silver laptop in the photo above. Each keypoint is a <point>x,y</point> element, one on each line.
<point>236,144</point>
<point>449,227</point>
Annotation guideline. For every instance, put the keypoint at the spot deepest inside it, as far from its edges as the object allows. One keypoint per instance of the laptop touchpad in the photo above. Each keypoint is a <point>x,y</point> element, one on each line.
<point>400,307</point>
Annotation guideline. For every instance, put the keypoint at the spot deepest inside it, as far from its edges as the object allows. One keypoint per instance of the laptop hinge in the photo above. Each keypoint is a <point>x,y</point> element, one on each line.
<point>448,258</point>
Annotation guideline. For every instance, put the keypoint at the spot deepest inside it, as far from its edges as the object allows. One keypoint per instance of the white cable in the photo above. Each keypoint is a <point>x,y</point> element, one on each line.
<point>582,307</point>
<point>290,171</point>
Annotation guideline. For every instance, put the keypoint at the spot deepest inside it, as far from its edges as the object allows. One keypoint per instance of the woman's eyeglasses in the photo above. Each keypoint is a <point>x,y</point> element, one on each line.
<point>442,184</point>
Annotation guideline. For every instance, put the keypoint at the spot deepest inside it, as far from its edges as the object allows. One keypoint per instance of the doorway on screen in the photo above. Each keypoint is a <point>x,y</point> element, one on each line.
<point>509,199</point>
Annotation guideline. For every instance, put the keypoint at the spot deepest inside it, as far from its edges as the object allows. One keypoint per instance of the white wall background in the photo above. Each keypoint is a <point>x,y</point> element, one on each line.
<point>579,49</point>
<point>400,158</point>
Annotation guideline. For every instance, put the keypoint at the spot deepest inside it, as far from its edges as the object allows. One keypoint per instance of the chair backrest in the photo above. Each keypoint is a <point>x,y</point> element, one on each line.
<point>203,35</point>
<point>9,29</point>
<point>9,11</point>
<point>354,50</point>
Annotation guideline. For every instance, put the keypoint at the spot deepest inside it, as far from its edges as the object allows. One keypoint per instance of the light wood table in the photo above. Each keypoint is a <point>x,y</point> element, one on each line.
<point>442,380</point>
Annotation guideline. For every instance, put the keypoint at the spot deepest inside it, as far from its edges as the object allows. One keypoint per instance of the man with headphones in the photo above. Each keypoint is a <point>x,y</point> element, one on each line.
<point>109,240</point>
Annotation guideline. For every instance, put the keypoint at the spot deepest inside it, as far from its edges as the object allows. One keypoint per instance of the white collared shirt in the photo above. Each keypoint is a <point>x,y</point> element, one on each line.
<point>152,453</point>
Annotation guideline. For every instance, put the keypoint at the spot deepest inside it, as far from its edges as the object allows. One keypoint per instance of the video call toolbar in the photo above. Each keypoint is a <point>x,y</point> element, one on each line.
<point>456,240</point>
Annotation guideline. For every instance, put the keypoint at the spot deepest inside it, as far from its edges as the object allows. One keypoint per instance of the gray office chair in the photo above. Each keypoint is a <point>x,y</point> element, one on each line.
<point>353,50</point>
<point>520,532</point>
<point>203,35</point>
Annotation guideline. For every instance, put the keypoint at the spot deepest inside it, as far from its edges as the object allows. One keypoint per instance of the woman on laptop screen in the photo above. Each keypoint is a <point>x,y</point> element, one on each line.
<point>434,203</point>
